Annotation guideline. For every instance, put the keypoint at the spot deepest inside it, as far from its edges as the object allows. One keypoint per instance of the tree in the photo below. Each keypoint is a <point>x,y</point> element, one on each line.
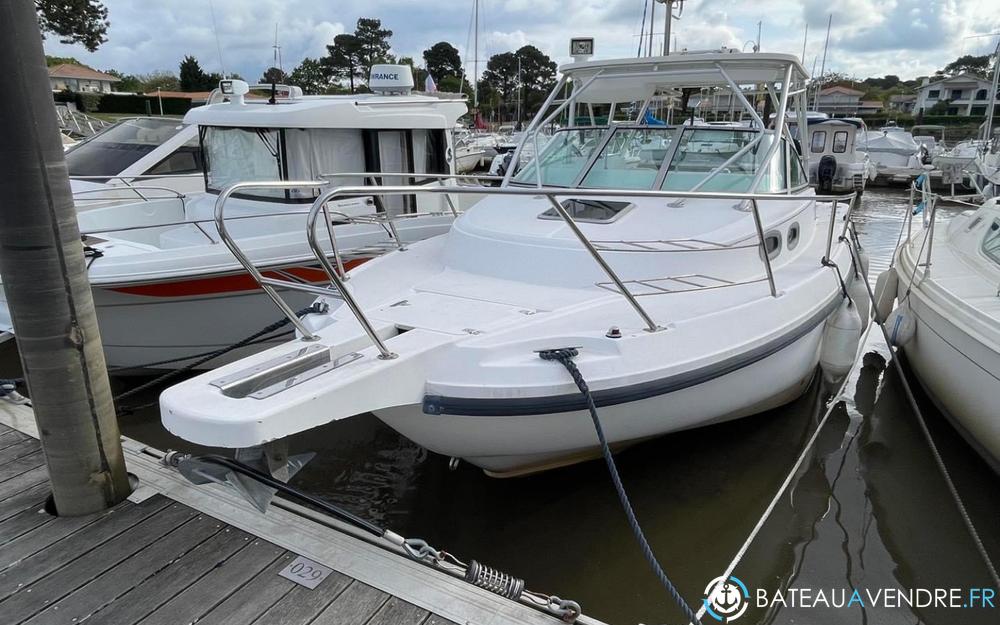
<point>442,60</point>
<point>344,59</point>
<point>74,21</point>
<point>500,81</point>
<point>126,82</point>
<point>538,77</point>
<point>52,61</point>
<point>193,78</point>
<point>967,63</point>
<point>374,43</point>
<point>273,75</point>
<point>311,76</point>
<point>160,79</point>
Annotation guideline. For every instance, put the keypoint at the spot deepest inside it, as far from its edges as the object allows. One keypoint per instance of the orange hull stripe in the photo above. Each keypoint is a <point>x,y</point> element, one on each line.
<point>226,284</point>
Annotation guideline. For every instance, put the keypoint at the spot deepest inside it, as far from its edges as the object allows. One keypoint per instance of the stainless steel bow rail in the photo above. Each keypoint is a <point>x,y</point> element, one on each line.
<point>339,289</point>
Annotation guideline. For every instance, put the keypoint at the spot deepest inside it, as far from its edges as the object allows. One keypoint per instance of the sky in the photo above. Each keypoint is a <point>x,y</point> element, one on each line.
<point>908,38</point>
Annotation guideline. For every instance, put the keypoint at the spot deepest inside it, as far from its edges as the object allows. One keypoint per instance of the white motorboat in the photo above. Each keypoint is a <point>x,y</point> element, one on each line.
<point>473,150</point>
<point>698,287</point>
<point>897,157</point>
<point>165,286</point>
<point>838,161</point>
<point>133,159</point>
<point>948,317</point>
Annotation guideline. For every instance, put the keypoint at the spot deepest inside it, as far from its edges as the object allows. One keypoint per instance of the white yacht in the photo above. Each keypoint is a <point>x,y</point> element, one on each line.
<point>135,158</point>
<point>697,286</point>
<point>838,160</point>
<point>948,314</point>
<point>165,284</point>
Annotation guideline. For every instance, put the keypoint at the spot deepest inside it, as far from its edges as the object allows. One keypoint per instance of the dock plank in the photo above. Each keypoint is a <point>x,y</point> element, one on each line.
<point>256,597</point>
<point>21,465</point>
<point>302,605</point>
<point>35,554</point>
<point>200,598</point>
<point>355,605</point>
<point>19,449</point>
<point>395,611</point>
<point>22,523</point>
<point>38,475</point>
<point>30,496</point>
<point>152,593</point>
<point>10,437</point>
<point>33,591</point>
<point>129,573</point>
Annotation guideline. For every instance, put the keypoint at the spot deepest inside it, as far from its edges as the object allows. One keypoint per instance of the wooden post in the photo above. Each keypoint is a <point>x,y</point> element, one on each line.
<point>45,283</point>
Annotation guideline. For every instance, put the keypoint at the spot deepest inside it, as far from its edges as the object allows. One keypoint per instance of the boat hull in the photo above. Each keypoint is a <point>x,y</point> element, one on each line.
<point>959,372</point>
<point>517,445</point>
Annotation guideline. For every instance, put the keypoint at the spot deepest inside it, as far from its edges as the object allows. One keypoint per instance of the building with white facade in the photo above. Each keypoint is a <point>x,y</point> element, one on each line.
<point>966,94</point>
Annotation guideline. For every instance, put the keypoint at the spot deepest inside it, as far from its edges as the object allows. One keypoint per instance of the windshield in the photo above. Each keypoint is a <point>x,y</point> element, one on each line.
<point>120,146</point>
<point>633,157</point>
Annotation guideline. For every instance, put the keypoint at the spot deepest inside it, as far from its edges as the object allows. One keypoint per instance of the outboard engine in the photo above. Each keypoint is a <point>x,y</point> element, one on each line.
<point>826,171</point>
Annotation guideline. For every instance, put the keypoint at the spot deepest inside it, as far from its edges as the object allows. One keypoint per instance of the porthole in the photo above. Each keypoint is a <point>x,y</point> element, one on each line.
<point>793,235</point>
<point>772,243</point>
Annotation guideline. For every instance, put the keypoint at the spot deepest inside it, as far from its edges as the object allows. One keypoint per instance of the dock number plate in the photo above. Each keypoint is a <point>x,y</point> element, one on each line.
<point>305,572</point>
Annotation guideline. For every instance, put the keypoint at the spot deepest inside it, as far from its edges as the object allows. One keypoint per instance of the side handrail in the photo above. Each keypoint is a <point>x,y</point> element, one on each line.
<point>267,284</point>
<point>551,194</point>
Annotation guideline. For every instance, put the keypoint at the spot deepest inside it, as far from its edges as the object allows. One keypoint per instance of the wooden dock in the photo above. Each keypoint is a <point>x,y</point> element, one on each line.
<point>175,554</point>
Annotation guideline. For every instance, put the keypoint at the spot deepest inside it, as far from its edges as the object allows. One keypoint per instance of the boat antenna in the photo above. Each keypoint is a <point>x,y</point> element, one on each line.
<point>475,57</point>
<point>215,32</point>
<point>668,21</point>
<point>277,50</point>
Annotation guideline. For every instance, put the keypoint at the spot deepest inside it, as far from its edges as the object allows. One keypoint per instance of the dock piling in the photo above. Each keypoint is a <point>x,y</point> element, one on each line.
<point>46,286</point>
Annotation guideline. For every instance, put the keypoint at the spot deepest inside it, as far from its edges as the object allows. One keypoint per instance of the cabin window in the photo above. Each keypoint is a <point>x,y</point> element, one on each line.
<point>184,160</point>
<point>110,152</point>
<point>312,153</point>
<point>991,244</point>
<point>933,94</point>
<point>840,141</point>
<point>429,152</point>
<point>772,244</point>
<point>794,231</point>
<point>817,144</point>
<point>242,155</point>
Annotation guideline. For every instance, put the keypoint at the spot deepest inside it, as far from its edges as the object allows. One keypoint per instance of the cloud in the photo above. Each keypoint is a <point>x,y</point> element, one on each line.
<point>869,37</point>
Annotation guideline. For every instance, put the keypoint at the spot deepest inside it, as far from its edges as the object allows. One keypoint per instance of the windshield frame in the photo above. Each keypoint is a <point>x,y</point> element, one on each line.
<point>529,176</point>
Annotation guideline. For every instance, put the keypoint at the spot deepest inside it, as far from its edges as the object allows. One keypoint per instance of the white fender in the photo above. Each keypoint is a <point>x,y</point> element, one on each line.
<point>859,294</point>
<point>864,259</point>
<point>841,335</point>
<point>885,293</point>
<point>901,324</point>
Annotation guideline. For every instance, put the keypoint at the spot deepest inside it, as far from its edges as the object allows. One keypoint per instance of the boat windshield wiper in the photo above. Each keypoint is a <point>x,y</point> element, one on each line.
<point>262,135</point>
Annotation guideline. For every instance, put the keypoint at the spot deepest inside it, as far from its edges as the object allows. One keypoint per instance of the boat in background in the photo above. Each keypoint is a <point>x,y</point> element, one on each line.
<point>133,159</point>
<point>897,157</point>
<point>947,321</point>
<point>698,286</point>
<point>839,161</point>
<point>166,286</point>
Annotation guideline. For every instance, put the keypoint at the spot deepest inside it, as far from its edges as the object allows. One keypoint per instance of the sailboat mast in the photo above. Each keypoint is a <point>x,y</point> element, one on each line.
<point>988,127</point>
<point>822,67</point>
<point>475,56</point>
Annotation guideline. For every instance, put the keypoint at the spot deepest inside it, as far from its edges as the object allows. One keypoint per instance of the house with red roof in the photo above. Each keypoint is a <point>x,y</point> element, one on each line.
<point>80,78</point>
